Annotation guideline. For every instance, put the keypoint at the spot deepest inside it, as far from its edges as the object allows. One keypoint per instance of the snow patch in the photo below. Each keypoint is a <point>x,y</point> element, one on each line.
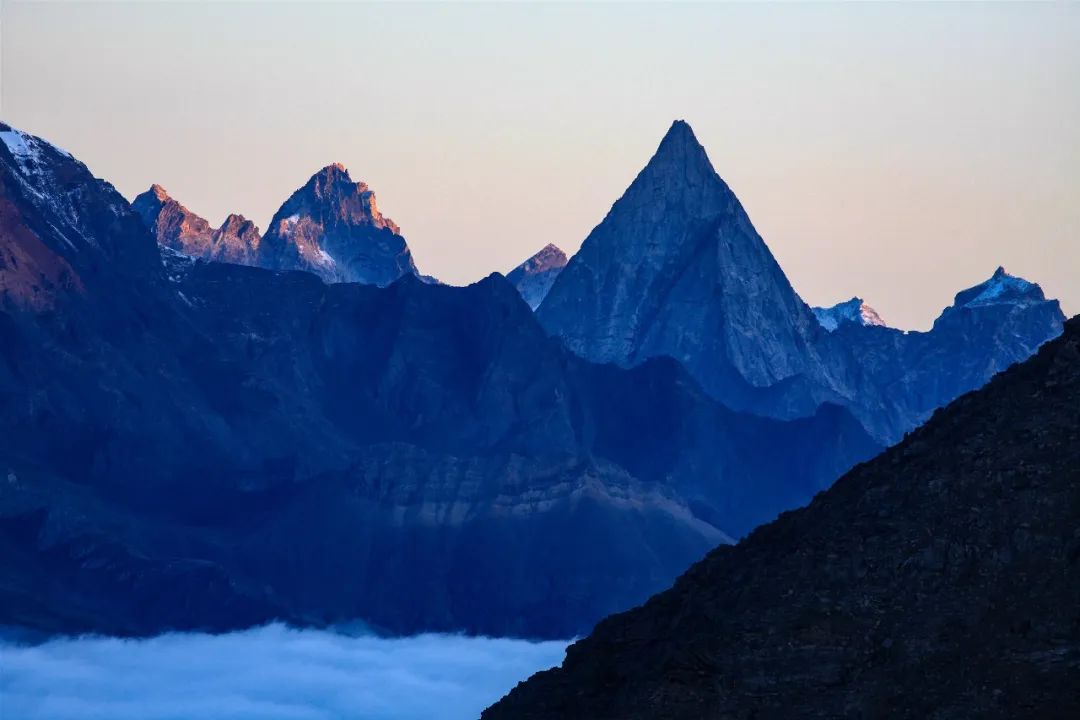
<point>998,286</point>
<point>27,147</point>
<point>853,311</point>
<point>17,144</point>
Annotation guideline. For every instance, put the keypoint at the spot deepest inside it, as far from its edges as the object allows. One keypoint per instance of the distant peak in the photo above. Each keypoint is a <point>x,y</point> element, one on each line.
<point>680,160</point>
<point>235,220</point>
<point>680,131</point>
<point>335,171</point>
<point>332,192</point>
<point>548,258</point>
<point>552,251</point>
<point>853,311</point>
<point>680,140</point>
<point>1002,288</point>
<point>155,196</point>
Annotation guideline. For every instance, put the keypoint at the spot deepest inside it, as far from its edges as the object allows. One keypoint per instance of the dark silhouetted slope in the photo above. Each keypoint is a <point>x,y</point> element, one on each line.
<point>938,580</point>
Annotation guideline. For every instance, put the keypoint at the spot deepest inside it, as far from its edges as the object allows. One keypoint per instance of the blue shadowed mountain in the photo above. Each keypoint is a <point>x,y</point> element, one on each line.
<point>677,269</point>
<point>192,444</point>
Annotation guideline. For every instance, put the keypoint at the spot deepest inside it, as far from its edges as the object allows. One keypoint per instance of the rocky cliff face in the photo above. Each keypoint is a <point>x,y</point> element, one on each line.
<point>676,269</point>
<point>176,227</point>
<point>534,277</point>
<point>333,228</point>
<point>941,579</point>
<point>206,445</point>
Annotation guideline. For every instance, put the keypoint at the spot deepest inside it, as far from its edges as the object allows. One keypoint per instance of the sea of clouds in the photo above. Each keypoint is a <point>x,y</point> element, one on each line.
<point>269,673</point>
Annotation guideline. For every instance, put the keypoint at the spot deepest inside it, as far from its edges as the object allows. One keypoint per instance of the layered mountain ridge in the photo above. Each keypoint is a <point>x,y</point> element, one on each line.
<point>194,444</point>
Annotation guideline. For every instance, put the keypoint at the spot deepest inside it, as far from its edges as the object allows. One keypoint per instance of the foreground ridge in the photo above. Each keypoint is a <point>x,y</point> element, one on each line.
<point>940,579</point>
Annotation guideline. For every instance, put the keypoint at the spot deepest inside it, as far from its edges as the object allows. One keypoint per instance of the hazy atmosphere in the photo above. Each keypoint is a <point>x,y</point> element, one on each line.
<point>899,153</point>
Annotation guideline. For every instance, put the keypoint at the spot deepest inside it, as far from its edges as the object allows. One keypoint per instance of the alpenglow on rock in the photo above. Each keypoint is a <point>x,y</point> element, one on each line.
<point>176,227</point>
<point>853,311</point>
<point>333,228</point>
<point>534,277</point>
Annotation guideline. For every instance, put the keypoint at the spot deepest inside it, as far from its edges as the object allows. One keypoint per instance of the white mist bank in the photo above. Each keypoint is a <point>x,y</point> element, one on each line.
<point>269,673</point>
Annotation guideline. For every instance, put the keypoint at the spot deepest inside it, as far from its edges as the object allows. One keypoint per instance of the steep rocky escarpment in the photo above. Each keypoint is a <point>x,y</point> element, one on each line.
<point>940,579</point>
<point>333,228</point>
<point>177,228</point>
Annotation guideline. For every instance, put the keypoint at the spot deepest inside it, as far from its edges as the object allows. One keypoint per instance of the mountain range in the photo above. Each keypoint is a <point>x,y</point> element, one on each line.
<point>677,269</point>
<point>210,429</point>
<point>939,580</point>
<point>330,227</point>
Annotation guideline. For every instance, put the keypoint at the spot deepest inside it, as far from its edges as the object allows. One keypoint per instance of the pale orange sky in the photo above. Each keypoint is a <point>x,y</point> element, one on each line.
<point>895,152</point>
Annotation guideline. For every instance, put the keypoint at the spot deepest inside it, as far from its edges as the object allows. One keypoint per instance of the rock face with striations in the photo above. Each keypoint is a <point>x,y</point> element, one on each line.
<point>677,269</point>
<point>534,277</point>
<point>175,227</point>
<point>333,228</point>
<point>939,580</point>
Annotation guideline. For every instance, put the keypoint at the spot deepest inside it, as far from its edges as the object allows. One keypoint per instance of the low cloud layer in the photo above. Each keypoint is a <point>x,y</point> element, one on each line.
<point>270,673</point>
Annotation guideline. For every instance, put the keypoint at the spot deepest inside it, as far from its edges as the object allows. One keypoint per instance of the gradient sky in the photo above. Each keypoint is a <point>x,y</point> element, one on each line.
<point>895,152</point>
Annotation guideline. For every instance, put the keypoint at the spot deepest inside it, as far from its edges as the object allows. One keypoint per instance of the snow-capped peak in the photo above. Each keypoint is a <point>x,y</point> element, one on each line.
<point>853,311</point>
<point>1001,287</point>
<point>39,167</point>
<point>25,147</point>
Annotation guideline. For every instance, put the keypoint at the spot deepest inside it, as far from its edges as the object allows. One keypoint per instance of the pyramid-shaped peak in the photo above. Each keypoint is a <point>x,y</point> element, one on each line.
<point>679,160</point>
<point>159,192</point>
<point>680,143</point>
<point>680,132</point>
